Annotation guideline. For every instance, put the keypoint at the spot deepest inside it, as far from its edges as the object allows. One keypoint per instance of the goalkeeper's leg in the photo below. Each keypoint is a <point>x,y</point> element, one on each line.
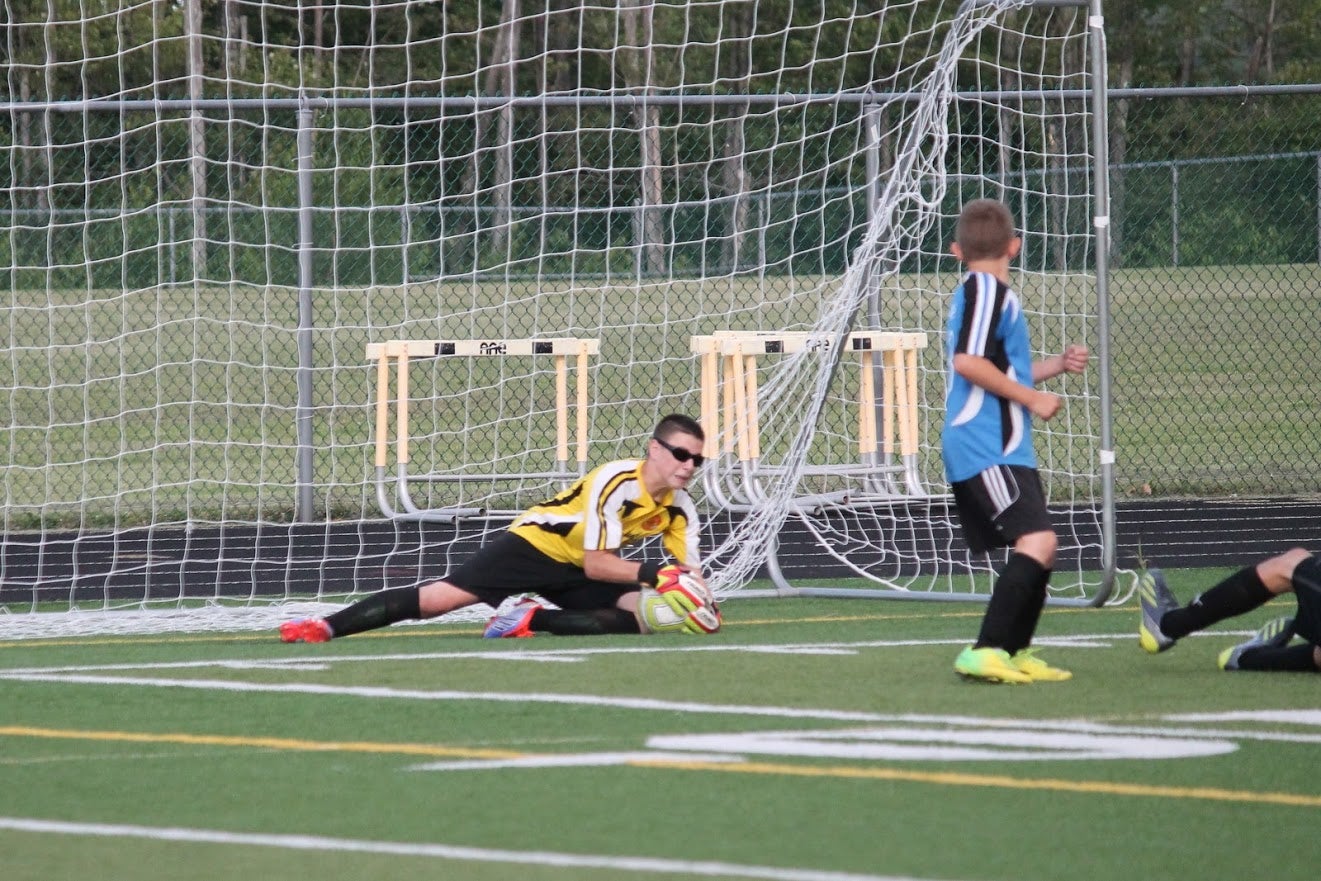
<point>593,608</point>
<point>377,610</point>
<point>583,622</point>
<point>380,610</point>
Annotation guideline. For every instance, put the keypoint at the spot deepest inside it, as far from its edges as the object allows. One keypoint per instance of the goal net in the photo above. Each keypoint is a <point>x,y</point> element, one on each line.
<point>305,301</point>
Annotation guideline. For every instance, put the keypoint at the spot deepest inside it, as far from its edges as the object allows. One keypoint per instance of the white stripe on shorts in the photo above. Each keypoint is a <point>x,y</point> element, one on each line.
<point>1001,487</point>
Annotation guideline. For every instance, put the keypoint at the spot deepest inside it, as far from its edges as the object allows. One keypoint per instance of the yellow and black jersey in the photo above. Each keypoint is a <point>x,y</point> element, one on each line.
<point>607,508</point>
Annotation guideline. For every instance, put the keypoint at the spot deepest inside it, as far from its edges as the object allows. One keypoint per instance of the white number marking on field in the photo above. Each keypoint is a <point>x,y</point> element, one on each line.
<point>577,760</point>
<point>893,743</point>
<point>1288,717</point>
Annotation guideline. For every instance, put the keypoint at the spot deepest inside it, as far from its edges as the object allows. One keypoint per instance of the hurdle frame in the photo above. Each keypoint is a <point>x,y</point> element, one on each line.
<point>402,352</point>
<point>728,378</point>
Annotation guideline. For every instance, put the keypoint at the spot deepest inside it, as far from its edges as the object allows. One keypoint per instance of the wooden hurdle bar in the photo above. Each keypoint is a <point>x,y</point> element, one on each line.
<point>401,352</point>
<point>728,371</point>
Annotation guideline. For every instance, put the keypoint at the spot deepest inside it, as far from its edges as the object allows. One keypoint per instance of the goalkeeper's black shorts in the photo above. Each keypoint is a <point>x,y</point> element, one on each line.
<point>1307,588</point>
<point>510,565</point>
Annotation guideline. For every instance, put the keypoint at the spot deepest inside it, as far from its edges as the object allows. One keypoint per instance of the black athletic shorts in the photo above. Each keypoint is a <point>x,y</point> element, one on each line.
<point>510,565</point>
<point>1001,505</point>
<point>1307,588</point>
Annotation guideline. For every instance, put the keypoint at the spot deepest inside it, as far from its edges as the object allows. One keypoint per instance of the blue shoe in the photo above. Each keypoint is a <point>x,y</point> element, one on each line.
<point>514,624</point>
<point>1274,634</point>
<point>1156,599</point>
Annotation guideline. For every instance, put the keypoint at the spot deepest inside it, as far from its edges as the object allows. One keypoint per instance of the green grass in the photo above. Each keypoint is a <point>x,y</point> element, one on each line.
<point>336,763</point>
<point>1211,369</point>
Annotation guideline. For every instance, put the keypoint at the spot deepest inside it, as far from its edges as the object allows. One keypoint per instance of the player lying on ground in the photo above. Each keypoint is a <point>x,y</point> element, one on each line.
<point>1164,621</point>
<point>566,550</point>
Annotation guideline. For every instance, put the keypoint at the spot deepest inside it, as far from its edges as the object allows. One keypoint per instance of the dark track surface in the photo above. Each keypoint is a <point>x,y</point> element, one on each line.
<point>239,561</point>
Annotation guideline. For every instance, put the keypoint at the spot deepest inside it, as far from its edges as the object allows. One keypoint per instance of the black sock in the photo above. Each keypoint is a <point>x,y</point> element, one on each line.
<point>378,610</point>
<point>1239,593</point>
<point>1017,595</point>
<point>1020,635</point>
<point>587,622</point>
<point>1296,657</point>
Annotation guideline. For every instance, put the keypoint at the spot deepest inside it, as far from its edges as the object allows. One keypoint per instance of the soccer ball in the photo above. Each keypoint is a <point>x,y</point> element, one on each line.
<point>656,615</point>
<point>680,603</point>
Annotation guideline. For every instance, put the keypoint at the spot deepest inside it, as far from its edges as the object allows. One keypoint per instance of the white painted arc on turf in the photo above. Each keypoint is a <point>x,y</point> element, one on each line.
<point>1290,717</point>
<point>652,865</point>
<point>1112,728</point>
<point>577,760</point>
<point>629,703</point>
<point>943,744</point>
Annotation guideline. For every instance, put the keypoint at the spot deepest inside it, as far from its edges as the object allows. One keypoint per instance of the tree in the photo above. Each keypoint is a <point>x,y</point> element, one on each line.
<point>636,63</point>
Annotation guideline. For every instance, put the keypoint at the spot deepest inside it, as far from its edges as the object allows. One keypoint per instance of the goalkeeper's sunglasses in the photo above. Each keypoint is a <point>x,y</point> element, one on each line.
<point>680,454</point>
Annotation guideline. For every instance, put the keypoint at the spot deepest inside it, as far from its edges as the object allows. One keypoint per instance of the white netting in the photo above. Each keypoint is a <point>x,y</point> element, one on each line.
<point>213,212</point>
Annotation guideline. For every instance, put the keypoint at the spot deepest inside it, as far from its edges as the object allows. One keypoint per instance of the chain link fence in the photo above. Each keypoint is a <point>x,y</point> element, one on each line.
<point>1216,287</point>
<point>1216,292</point>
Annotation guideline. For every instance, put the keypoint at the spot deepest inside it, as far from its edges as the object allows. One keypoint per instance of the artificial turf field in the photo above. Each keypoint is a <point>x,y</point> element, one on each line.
<point>811,739</point>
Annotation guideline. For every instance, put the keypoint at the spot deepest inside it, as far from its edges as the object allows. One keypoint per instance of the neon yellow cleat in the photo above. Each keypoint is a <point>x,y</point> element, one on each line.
<point>1038,670</point>
<point>1155,597</point>
<point>1273,634</point>
<point>989,665</point>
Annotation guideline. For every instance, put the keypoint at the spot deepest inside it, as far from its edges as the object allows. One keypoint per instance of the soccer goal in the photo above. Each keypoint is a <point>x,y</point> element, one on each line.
<point>219,226</point>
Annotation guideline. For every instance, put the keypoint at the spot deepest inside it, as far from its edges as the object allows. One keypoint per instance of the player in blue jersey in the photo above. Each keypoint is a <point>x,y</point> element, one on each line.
<point>987,443</point>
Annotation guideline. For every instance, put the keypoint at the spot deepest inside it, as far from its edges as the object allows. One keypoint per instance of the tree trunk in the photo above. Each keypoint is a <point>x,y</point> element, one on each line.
<point>638,72</point>
<point>1262,54</point>
<point>737,68</point>
<point>506,64</point>
<point>1188,55</point>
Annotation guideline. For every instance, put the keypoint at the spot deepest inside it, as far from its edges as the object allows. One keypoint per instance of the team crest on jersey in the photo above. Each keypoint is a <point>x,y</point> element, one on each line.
<point>652,522</point>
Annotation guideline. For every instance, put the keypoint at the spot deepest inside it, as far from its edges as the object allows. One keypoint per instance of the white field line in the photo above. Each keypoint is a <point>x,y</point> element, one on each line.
<point>642,704</point>
<point>530,653</point>
<point>322,844</point>
<point>590,700</point>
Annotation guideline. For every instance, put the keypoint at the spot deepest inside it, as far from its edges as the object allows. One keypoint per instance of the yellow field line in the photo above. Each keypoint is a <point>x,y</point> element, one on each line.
<point>939,778</point>
<point>948,778</point>
<point>410,749</point>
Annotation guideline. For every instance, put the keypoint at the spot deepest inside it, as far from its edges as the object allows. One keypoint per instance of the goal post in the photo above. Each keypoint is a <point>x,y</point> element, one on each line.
<point>217,227</point>
<point>1038,151</point>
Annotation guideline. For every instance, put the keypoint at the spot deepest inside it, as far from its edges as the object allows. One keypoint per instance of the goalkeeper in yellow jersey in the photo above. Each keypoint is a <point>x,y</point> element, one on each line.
<point>566,550</point>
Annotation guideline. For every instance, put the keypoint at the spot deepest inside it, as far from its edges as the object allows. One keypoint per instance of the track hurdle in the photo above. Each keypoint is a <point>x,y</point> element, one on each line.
<point>728,371</point>
<point>399,353</point>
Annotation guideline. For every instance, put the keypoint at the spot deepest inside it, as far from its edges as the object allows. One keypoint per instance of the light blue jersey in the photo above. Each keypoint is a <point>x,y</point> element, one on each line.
<point>982,429</point>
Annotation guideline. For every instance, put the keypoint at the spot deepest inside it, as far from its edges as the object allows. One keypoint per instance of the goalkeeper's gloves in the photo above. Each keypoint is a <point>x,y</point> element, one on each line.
<point>704,620</point>
<point>684,591</point>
